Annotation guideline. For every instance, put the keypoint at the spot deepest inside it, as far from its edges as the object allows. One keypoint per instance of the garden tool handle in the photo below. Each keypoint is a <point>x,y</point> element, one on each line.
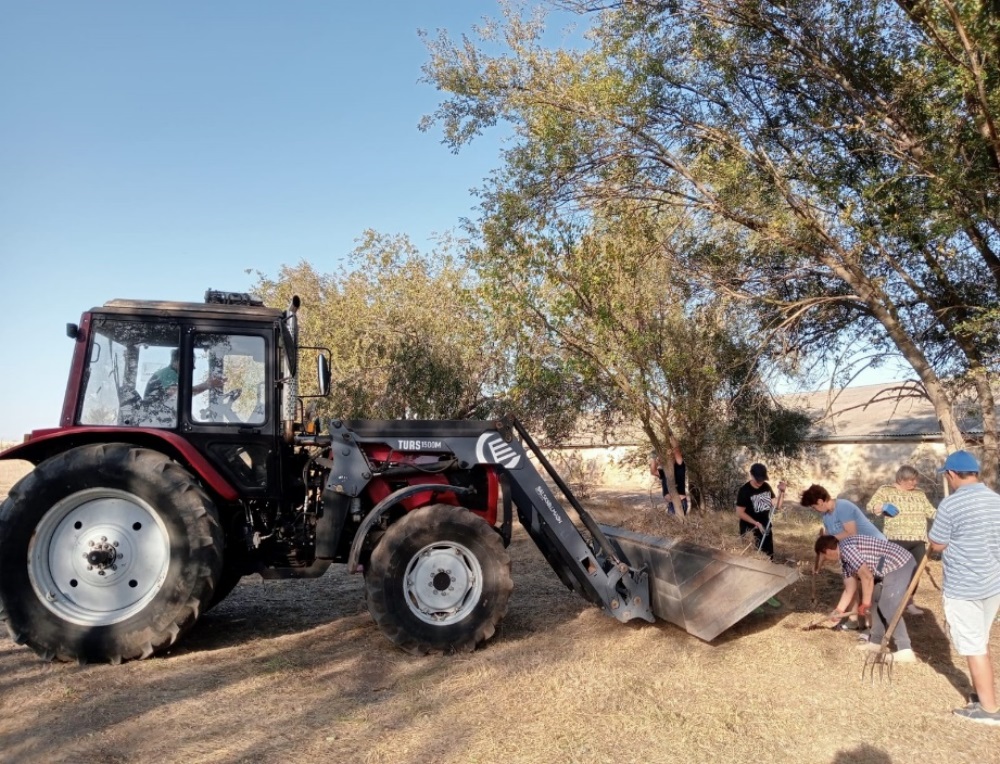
<point>832,615</point>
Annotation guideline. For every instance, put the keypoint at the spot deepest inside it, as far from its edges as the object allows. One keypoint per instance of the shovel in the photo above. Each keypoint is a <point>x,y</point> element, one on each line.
<point>882,660</point>
<point>831,616</point>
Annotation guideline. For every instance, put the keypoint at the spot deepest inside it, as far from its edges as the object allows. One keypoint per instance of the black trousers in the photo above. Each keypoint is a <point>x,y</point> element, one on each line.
<point>767,547</point>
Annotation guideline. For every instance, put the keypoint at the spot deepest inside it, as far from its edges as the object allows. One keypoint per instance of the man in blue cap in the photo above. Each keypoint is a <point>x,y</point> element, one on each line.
<point>967,532</point>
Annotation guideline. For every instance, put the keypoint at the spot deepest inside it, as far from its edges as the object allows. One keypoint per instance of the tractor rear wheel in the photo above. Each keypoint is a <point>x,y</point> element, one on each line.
<point>229,579</point>
<point>107,552</point>
<point>439,581</point>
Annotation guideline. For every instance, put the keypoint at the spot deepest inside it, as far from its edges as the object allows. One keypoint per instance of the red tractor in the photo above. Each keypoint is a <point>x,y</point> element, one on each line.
<point>181,463</point>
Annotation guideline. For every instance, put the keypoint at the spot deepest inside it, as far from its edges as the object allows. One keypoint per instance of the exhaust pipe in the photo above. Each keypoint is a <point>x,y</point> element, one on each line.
<point>290,391</point>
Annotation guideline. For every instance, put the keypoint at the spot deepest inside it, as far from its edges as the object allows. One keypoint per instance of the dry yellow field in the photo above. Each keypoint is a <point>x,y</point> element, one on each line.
<point>297,671</point>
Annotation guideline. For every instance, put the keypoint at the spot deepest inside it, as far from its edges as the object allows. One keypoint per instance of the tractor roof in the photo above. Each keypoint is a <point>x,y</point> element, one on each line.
<point>161,308</point>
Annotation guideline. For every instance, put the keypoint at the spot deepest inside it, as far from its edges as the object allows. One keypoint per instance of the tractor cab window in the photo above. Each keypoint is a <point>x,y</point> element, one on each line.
<point>125,358</point>
<point>229,379</point>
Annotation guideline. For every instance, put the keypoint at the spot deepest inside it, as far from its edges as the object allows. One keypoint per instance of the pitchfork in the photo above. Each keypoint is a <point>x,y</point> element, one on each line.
<point>883,659</point>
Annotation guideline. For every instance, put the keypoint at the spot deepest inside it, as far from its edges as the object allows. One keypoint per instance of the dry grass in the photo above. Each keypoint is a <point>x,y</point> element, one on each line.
<point>11,471</point>
<point>296,670</point>
<point>718,530</point>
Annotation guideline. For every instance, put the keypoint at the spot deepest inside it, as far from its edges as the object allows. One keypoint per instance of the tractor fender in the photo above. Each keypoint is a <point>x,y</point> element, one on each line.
<point>389,501</point>
<point>45,444</point>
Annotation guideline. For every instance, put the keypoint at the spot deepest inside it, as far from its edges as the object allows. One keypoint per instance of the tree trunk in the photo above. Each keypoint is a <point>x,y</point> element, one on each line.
<point>991,443</point>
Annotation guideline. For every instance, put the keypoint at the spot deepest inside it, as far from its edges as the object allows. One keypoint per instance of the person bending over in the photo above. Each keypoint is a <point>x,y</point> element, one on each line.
<point>870,560</point>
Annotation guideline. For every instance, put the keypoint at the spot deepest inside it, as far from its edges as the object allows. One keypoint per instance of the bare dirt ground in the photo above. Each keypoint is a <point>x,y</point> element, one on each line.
<point>297,671</point>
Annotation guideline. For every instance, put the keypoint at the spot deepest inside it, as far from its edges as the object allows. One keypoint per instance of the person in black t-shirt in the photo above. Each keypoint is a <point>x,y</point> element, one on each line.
<point>754,503</point>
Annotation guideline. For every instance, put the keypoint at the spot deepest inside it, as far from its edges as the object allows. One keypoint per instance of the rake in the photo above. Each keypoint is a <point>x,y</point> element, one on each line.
<point>882,660</point>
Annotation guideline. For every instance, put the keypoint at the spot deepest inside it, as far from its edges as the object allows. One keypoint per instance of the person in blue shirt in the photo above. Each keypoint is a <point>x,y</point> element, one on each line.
<point>841,519</point>
<point>967,532</point>
<point>162,386</point>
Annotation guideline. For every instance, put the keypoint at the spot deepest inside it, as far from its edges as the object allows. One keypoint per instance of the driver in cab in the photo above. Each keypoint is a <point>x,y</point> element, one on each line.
<point>162,386</point>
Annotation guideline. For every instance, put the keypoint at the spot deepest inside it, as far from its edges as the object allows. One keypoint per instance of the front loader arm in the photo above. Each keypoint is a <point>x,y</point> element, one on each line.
<point>595,570</point>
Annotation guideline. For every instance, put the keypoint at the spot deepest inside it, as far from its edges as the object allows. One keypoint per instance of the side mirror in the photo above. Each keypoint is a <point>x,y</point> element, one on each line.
<point>323,374</point>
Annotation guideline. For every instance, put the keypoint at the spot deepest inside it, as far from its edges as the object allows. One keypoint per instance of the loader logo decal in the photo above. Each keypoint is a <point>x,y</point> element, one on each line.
<point>419,445</point>
<point>491,449</point>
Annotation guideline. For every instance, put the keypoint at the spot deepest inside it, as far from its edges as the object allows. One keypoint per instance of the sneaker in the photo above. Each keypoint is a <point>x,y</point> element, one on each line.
<point>912,609</point>
<point>974,712</point>
<point>973,700</point>
<point>905,655</point>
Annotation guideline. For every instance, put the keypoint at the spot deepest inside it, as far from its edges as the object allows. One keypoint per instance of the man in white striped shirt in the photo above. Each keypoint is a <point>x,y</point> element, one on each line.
<point>967,531</point>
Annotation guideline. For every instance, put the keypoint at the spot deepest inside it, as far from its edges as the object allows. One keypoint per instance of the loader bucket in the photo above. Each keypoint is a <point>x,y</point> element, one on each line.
<point>702,590</point>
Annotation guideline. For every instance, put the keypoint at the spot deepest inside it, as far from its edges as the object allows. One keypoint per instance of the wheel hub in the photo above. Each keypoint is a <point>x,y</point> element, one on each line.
<point>98,556</point>
<point>443,583</point>
<point>442,580</point>
<point>102,556</point>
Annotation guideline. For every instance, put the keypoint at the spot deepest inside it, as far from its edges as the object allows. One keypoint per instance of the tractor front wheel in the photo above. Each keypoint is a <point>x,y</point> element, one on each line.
<point>107,552</point>
<point>439,581</point>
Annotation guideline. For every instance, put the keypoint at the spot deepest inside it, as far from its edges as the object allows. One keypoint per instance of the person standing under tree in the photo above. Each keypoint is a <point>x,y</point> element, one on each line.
<point>967,533</point>
<point>680,477</point>
<point>905,511</point>
<point>755,501</point>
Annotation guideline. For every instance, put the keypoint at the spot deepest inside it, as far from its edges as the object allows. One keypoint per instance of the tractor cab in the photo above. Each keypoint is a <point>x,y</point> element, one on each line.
<point>211,373</point>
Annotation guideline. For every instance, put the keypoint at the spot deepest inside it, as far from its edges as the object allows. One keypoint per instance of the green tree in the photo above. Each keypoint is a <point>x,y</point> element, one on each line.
<point>407,334</point>
<point>838,159</point>
<point>606,326</point>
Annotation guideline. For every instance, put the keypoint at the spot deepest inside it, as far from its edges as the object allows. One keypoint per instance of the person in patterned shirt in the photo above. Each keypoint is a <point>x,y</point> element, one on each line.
<point>908,527</point>
<point>841,518</point>
<point>871,560</point>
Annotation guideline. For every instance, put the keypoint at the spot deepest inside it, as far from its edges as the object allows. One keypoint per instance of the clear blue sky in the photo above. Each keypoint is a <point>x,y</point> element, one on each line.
<point>155,149</point>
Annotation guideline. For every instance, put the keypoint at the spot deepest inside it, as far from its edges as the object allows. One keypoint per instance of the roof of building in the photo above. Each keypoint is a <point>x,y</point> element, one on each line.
<point>877,412</point>
<point>867,413</point>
